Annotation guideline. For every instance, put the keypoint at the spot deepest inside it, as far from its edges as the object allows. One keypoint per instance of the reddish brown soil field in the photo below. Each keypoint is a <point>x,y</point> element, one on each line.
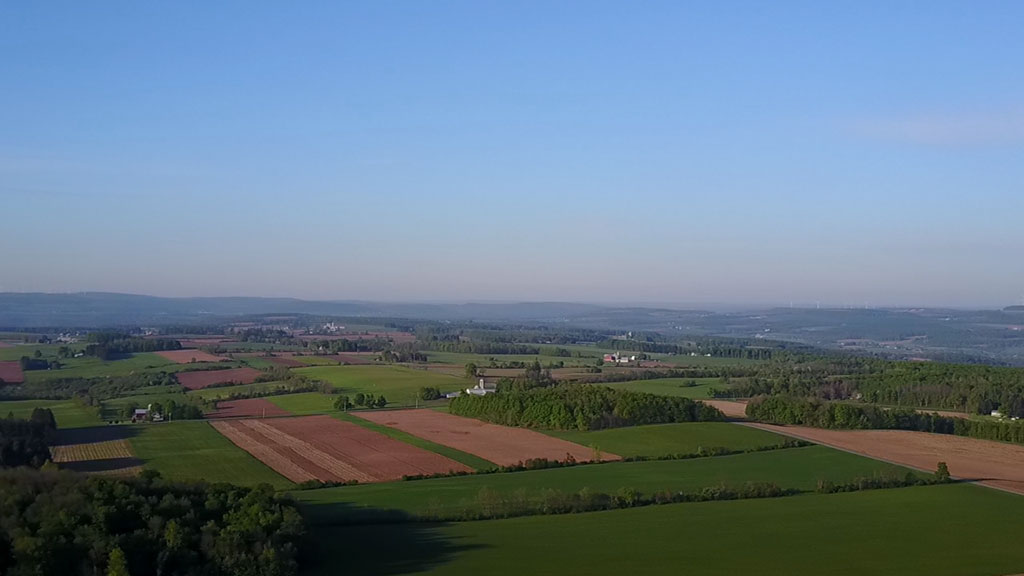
<point>203,378</point>
<point>247,408</point>
<point>10,372</point>
<point>187,356</point>
<point>500,444</point>
<point>991,463</point>
<point>326,449</point>
<point>6,345</point>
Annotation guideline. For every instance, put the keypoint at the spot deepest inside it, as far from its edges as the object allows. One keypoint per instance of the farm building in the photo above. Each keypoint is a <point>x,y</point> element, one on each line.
<point>619,358</point>
<point>482,388</point>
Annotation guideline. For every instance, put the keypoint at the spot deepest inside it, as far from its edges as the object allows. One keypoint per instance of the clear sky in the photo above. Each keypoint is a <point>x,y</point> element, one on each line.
<point>734,152</point>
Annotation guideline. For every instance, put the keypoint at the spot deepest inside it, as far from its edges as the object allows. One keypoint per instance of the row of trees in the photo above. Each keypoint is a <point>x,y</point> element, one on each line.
<point>580,407</point>
<point>26,442</point>
<point>814,412</point>
<point>107,345</point>
<point>61,523</point>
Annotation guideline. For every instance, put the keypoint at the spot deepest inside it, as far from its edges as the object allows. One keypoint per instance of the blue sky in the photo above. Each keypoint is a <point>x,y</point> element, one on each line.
<point>732,152</point>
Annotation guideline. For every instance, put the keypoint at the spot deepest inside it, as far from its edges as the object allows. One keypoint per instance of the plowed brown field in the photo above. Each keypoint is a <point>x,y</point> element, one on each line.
<point>203,378</point>
<point>502,445</point>
<point>991,463</point>
<point>188,356</point>
<point>247,408</point>
<point>10,372</point>
<point>322,448</point>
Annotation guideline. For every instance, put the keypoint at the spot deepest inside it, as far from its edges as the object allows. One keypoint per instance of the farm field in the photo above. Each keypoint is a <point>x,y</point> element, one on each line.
<point>100,450</point>
<point>950,530</point>
<point>500,444</point>
<point>484,360</point>
<point>731,408</point>
<point>304,403</point>
<point>246,408</point>
<point>15,352</point>
<point>474,462</point>
<point>671,386</point>
<point>225,391</point>
<point>790,468</point>
<point>193,450</point>
<point>188,356</point>
<point>666,439</point>
<point>398,384</point>
<point>10,372</point>
<point>90,367</point>
<point>992,463</point>
<point>301,361</point>
<point>681,361</point>
<point>68,413</point>
<point>202,378</point>
<point>326,449</point>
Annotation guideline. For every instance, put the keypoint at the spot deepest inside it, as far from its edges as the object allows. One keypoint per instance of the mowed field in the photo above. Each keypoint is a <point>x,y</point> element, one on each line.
<point>790,468</point>
<point>193,450</point>
<point>499,444</point>
<point>948,530</point>
<point>202,378</point>
<point>996,464</point>
<point>327,449</point>
<point>188,356</point>
<point>10,372</point>
<point>398,384</point>
<point>68,413</point>
<point>670,439</point>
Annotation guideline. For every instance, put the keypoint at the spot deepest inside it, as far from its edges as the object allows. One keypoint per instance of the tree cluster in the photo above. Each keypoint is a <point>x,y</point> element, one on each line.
<point>66,524</point>
<point>580,407</point>
<point>26,442</point>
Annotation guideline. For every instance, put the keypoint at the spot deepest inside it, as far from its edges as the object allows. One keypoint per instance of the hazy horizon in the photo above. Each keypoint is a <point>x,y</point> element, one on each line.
<point>849,154</point>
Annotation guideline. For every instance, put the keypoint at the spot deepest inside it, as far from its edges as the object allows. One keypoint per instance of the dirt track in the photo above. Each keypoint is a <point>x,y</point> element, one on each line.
<point>499,444</point>
<point>990,463</point>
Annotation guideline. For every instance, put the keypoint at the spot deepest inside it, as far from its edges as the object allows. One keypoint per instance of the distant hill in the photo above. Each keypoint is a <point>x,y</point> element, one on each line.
<point>1018,308</point>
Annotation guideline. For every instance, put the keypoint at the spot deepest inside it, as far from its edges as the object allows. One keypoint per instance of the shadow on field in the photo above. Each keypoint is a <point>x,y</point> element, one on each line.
<point>69,436</point>
<point>105,465</point>
<point>383,549</point>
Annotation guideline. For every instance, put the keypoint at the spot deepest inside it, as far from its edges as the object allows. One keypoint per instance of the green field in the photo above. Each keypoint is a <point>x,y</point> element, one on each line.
<point>484,360</point>
<point>796,468</point>
<point>304,403</point>
<point>662,439</point>
<point>470,460</point>
<point>685,360</point>
<point>672,386</point>
<point>90,367</point>
<point>195,451</point>
<point>318,360</point>
<point>16,352</point>
<point>398,384</point>
<point>68,413</point>
<point>219,392</point>
<point>950,530</point>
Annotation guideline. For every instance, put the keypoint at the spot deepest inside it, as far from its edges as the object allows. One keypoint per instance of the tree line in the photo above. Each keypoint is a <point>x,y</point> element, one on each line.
<point>580,407</point>
<point>840,415</point>
<point>26,442</point>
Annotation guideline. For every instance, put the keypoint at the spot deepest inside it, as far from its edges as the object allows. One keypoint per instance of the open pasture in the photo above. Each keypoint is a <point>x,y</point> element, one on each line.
<point>304,403</point>
<point>92,367</point>
<point>400,385</point>
<point>218,392</point>
<point>68,413</point>
<point>499,444</point>
<point>326,449</point>
<point>791,468</point>
<point>246,408</point>
<point>200,379</point>
<point>672,386</point>
<point>188,356</point>
<point>991,463</point>
<point>485,360</point>
<point>667,439</point>
<point>950,530</point>
<point>193,450</point>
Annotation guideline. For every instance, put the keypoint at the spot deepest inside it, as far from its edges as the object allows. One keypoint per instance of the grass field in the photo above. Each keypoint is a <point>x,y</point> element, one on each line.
<point>683,360</point>
<point>69,414</point>
<point>484,360</point>
<point>662,439</point>
<point>195,451</point>
<point>951,530</point>
<point>318,360</point>
<point>470,460</point>
<point>672,386</point>
<point>16,352</point>
<point>304,403</point>
<point>225,391</point>
<point>398,384</point>
<point>796,468</point>
<point>90,367</point>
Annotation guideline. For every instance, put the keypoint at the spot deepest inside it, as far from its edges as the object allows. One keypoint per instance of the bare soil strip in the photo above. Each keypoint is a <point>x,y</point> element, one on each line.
<point>502,445</point>
<point>731,408</point>
<point>994,464</point>
<point>266,454</point>
<point>247,408</point>
<point>10,372</point>
<point>188,356</point>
